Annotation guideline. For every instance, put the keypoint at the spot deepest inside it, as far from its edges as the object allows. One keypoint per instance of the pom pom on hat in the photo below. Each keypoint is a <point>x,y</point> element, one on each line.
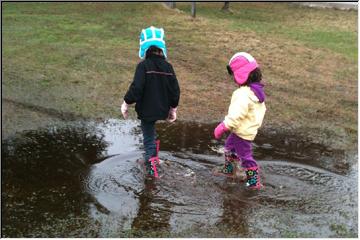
<point>152,36</point>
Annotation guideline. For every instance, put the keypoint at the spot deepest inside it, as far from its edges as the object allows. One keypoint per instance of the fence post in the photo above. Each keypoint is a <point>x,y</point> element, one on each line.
<point>226,6</point>
<point>193,9</point>
<point>171,4</point>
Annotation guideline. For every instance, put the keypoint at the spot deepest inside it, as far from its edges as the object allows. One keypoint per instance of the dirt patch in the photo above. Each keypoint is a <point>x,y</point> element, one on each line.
<point>17,118</point>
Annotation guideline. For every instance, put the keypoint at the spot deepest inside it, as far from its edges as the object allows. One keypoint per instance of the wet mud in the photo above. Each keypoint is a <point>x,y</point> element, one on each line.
<point>85,179</point>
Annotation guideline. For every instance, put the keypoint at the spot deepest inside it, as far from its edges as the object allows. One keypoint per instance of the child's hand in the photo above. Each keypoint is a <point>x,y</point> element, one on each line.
<point>124,110</point>
<point>220,130</point>
<point>172,115</point>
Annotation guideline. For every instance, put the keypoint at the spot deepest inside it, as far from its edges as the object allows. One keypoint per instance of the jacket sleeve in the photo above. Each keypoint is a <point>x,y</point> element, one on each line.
<point>136,88</point>
<point>174,89</point>
<point>238,109</point>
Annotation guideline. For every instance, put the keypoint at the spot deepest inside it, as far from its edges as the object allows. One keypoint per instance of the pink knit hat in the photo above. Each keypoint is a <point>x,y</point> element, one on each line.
<point>242,64</point>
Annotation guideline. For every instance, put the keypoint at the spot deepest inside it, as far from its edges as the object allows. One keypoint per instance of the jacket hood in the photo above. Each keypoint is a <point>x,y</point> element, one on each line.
<point>258,90</point>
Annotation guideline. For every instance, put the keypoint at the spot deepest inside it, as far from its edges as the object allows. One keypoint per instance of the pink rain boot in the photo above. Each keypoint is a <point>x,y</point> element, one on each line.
<point>152,171</point>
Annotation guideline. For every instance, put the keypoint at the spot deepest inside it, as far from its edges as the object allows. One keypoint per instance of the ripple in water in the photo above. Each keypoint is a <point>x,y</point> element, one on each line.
<point>187,201</point>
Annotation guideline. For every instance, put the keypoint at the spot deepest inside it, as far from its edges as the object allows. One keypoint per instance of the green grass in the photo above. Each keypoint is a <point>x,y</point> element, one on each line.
<point>293,22</point>
<point>341,230</point>
<point>81,57</point>
<point>64,49</point>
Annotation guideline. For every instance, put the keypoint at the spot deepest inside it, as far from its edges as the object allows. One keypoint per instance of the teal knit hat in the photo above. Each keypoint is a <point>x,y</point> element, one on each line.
<point>152,36</point>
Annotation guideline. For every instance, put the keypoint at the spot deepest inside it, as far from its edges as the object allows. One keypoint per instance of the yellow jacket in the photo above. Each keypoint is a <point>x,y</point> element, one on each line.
<point>245,114</point>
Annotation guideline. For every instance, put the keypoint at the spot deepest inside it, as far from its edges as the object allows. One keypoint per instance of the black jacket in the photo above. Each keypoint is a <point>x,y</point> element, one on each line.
<point>154,89</point>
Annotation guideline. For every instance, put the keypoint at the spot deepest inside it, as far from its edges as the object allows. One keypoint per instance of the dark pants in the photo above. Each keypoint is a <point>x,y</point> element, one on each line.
<point>149,134</point>
<point>243,149</point>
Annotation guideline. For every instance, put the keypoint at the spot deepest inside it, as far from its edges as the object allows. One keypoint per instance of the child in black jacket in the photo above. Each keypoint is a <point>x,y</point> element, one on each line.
<point>155,90</point>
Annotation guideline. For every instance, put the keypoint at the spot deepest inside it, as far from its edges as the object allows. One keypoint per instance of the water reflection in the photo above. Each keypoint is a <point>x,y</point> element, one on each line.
<point>87,180</point>
<point>41,176</point>
<point>153,214</point>
<point>234,219</point>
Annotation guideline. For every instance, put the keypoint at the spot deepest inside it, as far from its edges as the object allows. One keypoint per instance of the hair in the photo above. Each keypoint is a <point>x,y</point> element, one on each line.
<point>153,51</point>
<point>254,76</point>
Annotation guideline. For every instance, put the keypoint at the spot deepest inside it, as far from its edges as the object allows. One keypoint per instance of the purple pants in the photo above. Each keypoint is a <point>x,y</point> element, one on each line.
<point>243,149</point>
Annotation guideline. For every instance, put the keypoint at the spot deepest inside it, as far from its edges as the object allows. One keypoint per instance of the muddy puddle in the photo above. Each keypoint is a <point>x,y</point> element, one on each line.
<point>84,180</point>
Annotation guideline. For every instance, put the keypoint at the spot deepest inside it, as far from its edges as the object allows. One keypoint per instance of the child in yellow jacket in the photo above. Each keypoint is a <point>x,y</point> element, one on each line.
<point>245,115</point>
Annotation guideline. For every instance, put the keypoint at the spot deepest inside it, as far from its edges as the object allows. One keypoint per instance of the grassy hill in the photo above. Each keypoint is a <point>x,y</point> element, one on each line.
<point>80,58</point>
